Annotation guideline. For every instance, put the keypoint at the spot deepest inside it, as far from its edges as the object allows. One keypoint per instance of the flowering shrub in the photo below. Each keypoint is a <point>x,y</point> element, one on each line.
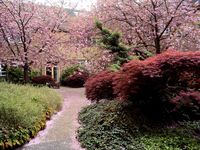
<point>153,82</point>
<point>100,86</point>
<point>45,80</point>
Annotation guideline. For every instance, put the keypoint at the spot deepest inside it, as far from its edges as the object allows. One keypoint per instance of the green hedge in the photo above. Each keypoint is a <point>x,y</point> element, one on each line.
<point>24,111</point>
<point>16,74</point>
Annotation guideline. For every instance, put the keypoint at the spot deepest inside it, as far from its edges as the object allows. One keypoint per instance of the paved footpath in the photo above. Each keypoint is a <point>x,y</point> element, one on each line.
<point>60,133</point>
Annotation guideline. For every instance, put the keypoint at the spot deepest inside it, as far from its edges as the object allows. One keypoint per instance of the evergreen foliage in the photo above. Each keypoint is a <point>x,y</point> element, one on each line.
<point>111,41</point>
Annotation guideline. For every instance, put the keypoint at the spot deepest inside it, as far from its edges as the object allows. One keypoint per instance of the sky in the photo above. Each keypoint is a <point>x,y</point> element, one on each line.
<point>82,4</point>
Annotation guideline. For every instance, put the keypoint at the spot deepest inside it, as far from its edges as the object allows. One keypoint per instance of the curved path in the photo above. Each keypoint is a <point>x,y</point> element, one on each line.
<point>60,133</point>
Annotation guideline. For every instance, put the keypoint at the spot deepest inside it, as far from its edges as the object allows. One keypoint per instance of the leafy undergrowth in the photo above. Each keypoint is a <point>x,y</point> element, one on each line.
<point>24,111</point>
<point>109,126</point>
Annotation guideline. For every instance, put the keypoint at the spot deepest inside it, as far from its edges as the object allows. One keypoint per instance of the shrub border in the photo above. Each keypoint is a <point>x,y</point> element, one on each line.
<point>13,138</point>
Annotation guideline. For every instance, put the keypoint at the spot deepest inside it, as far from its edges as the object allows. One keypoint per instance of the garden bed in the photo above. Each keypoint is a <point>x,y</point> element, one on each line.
<point>110,125</point>
<point>24,111</point>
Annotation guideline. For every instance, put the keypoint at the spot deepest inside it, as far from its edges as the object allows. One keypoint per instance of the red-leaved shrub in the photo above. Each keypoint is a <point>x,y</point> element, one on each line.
<point>152,83</point>
<point>76,80</point>
<point>100,86</point>
<point>45,80</point>
<point>187,105</point>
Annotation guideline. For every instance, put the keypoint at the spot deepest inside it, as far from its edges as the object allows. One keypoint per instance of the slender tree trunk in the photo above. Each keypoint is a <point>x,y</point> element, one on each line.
<point>26,69</point>
<point>157,46</point>
<point>156,28</point>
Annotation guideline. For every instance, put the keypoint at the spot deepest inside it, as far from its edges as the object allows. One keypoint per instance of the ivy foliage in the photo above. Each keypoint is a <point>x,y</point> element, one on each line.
<point>104,127</point>
<point>110,125</point>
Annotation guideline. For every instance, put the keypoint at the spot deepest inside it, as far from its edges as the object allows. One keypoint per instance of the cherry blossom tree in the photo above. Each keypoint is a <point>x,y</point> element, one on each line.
<point>30,31</point>
<point>82,29</point>
<point>154,25</point>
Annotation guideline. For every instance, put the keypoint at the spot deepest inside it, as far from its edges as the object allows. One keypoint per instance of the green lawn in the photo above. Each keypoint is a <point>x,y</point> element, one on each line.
<point>24,111</point>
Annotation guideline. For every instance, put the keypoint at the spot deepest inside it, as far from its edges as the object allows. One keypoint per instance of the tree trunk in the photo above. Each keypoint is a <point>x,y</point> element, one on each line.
<point>157,46</point>
<point>26,69</point>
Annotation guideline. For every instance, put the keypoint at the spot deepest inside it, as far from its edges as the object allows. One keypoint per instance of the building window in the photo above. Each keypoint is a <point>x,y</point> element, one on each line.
<point>2,70</point>
<point>48,71</point>
<point>53,71</point>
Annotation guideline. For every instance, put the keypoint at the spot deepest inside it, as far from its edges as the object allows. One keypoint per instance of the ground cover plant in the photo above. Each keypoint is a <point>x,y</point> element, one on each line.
<point>110,125</point>
<point>24,110</point>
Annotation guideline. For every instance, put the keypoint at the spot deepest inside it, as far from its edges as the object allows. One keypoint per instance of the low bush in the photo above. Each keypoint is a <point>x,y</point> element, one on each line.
<point>23,112</point>
<point>187,105</point>
<point>141,54</point>
<point>34,73</point>
<point>152,83</point>
<point>114,67</point>
<point>112,126</point>
<point>45,80</point>
<point>76,80</point>
<point>100,86</point>
<point>74,76</point>
<point>69,71</point>
<point>15,74</point>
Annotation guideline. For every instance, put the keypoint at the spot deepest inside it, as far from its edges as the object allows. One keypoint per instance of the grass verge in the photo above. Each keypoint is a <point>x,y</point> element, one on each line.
<point>24,111</point>
<point>108,126</point>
